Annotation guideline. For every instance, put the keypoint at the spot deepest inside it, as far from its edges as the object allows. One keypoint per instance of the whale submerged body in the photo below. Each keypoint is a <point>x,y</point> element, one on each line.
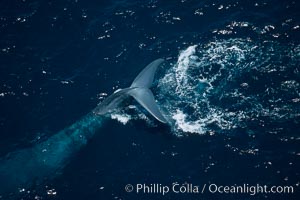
<point>24,167</point>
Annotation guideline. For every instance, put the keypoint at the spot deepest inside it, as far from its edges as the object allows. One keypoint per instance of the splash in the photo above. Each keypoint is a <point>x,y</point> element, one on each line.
<point>184,60</point>
<point>122,118</point>
<point>185,125</point>
<point>227,84</point>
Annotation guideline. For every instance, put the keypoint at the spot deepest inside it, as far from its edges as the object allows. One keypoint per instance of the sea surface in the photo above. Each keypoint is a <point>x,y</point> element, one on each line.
<point>229,88</point>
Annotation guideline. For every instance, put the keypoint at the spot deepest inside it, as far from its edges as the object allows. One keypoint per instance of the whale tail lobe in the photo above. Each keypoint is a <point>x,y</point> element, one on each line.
<point>146,76</point>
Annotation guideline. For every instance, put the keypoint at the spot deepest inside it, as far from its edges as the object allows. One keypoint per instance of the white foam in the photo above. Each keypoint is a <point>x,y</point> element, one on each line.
<point>122,118</point>
<point>183,63</point>
<point>187,126</point>
<point>192,78</point>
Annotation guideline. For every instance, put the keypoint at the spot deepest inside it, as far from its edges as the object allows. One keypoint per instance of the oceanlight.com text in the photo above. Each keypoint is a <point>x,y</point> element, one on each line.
<point>189,188</point>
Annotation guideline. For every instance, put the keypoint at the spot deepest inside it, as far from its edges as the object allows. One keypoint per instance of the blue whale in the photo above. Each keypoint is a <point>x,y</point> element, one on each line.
<point>21,168</point>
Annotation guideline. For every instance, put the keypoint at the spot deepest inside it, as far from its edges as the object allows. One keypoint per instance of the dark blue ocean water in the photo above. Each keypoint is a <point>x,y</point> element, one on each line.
<point>229,88</point>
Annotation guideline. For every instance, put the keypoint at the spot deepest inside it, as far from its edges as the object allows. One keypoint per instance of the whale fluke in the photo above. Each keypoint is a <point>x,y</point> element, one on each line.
<point>139,90</point>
